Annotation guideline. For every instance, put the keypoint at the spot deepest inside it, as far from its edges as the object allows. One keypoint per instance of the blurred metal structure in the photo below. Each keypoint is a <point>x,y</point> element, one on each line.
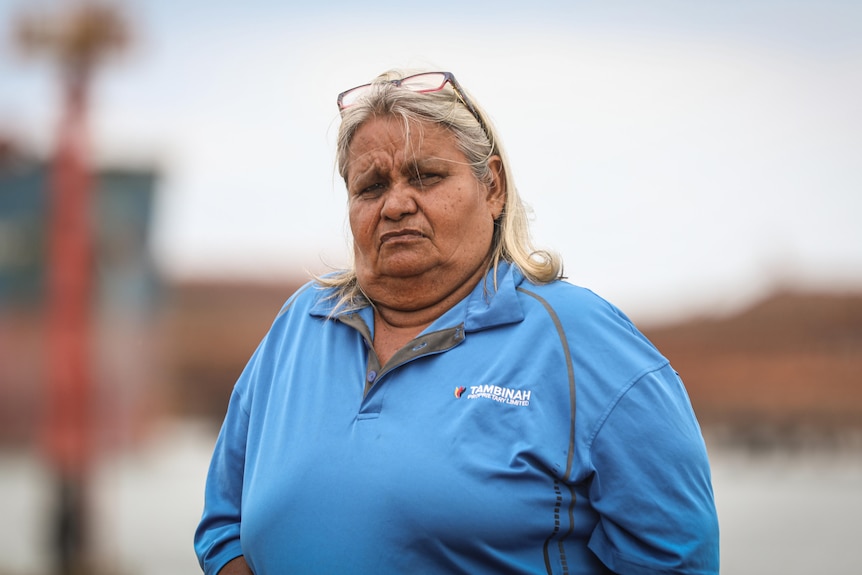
<point>77,38</point>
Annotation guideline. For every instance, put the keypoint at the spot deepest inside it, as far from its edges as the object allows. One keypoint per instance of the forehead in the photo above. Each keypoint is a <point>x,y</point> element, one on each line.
<point>390,139</point>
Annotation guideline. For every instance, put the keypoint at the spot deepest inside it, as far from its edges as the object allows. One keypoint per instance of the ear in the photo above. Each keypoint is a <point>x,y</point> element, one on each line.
<point>497,189</point>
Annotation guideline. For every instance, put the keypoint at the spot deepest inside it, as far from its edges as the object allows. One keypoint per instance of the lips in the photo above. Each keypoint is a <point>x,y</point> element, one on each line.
<point>401,235</point>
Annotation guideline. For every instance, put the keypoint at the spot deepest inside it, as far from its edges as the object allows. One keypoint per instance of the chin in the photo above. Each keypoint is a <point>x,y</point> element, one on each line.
<point>403,267</point>
<point>402,272</point>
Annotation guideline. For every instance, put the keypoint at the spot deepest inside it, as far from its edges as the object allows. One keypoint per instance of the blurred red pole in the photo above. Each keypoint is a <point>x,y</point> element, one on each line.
<point>70,258</point>
<point>78,39</point>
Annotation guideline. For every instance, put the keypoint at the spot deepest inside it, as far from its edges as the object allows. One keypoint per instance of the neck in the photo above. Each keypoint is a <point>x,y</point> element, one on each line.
<point>418,301</point>
<point>409,305</point>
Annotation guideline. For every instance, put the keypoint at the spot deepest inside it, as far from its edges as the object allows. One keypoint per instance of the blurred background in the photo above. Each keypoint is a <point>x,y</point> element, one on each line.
<point>167,180</point>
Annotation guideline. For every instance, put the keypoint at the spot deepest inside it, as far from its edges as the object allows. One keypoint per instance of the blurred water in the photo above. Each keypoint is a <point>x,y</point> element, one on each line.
<point>780,512</point>
<point>146,505</point>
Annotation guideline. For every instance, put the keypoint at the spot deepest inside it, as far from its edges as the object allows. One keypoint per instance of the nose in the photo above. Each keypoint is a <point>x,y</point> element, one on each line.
<point>398,201</point>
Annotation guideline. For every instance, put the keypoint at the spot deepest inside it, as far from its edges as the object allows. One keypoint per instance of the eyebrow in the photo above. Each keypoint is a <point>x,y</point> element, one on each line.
<point>375,167</point>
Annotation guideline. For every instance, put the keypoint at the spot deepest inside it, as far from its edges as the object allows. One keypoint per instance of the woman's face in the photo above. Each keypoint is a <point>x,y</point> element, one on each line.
<point>416,210</point>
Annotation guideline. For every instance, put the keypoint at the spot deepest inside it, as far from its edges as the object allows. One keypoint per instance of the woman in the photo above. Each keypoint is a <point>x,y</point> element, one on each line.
<point>449,405</point>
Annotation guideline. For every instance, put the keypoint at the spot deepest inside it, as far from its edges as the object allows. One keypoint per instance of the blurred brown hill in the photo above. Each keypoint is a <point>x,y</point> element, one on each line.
<point>788,363</point>
<point>791,362</point>
<point>793,359</point>
<point>208,332</point>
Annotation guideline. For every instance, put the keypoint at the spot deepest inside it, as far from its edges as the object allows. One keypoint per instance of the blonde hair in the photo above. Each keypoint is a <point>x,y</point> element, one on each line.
<point>479,142</point>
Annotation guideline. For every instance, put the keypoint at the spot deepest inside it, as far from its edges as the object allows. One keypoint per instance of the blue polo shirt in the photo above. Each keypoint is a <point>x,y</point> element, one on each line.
<point>530,429</point>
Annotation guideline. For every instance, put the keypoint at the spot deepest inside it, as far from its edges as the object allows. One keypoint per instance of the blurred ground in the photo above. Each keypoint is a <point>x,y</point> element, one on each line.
<point>781,511</point>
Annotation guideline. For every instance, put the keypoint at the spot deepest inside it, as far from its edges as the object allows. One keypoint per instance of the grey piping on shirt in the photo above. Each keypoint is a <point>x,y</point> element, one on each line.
<point>570,458</point>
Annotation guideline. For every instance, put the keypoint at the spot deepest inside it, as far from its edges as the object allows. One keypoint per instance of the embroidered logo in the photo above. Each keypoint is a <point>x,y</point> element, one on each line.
<point>459,391</point>
<point>507,395</point>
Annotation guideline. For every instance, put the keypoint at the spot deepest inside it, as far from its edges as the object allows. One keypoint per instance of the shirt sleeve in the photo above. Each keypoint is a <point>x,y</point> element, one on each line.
<point>217,539</point>
<point>652,486</point>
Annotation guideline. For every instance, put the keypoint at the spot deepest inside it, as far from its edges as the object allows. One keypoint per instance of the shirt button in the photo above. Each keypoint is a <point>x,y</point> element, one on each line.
<point>372,375</point>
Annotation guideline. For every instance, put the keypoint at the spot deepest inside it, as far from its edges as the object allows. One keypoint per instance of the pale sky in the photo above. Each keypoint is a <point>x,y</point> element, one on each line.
<point>683,157</point>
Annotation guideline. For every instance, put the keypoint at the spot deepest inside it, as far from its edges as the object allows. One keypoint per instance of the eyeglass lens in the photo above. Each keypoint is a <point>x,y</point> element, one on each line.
<point>431,82</point>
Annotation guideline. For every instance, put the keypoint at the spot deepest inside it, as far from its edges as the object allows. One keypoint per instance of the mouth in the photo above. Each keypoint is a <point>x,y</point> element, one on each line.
<point>401,235</point>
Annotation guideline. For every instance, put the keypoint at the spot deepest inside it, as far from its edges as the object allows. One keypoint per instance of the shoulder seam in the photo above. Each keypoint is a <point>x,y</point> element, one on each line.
<point>289,303</point>
<point>624,390</point>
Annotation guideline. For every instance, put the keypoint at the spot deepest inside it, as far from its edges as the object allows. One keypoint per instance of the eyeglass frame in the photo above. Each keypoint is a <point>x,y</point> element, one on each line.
<point>448,77</point>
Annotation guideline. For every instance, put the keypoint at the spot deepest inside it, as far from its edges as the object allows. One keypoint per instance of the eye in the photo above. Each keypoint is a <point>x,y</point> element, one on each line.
<point>426,179</point>
<point>372,189</point>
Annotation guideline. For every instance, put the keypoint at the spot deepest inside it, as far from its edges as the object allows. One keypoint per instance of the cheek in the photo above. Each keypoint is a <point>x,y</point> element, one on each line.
<point>360,219</point>
<point>473,217</point>
<point>482,226</point>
